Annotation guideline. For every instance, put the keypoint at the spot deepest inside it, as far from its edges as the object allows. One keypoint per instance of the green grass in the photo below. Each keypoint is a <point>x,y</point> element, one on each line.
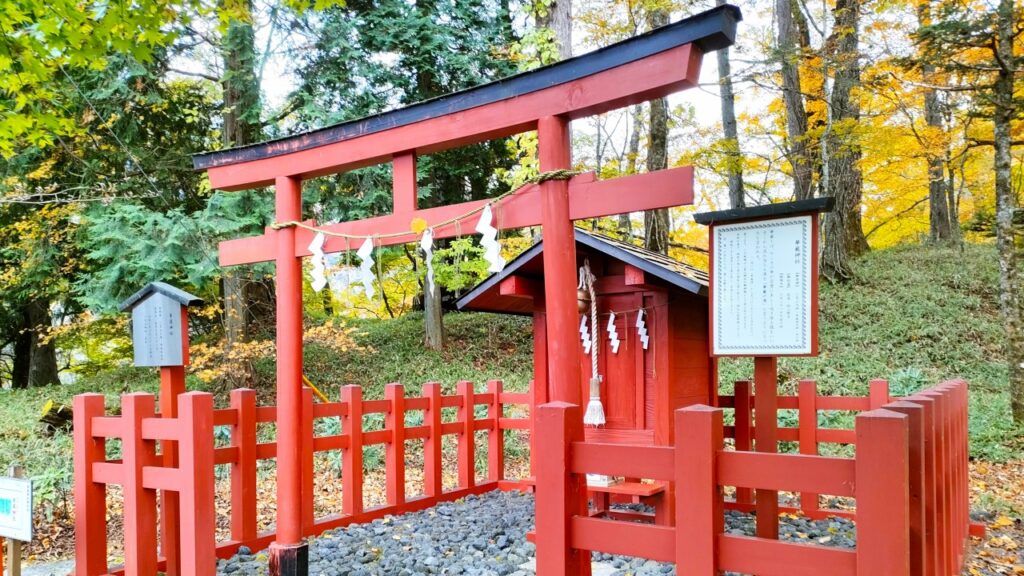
<point>915,315</point>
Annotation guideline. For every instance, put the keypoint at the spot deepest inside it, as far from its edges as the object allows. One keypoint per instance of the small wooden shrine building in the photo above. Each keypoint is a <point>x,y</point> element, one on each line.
<point>641,388</point>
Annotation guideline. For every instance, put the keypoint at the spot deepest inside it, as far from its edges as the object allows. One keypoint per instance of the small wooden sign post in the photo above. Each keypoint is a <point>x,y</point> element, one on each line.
<point>764,304</point>
<point>160,339</point>
<point>15,517</point>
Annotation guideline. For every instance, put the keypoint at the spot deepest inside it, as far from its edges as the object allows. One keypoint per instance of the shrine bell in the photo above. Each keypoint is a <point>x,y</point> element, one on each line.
<point>640,387</point>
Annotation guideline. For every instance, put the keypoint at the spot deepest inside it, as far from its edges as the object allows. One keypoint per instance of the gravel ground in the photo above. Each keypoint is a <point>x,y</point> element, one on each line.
<point>484,536</point>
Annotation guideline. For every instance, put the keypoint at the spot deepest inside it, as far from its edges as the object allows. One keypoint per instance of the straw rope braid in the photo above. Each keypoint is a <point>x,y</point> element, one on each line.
<point>562,174</point>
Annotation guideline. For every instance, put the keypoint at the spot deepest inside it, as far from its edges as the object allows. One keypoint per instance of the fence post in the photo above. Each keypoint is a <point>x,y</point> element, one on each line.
<point>243,470</point>
<point>90,496</point>
<point>932,543</point>
<point>942,480</point>
<point>198,513</point>
<point>743,416</point>
<point>878,393</point>
<point>140,537</point>
<point>306,460</point>
<point>496,436</point>
<point>699,520</point>
<point>433,485</point>
<point>467,439</point>
<point>916,457</point>
<point>807,399</point>
<point>352,463</point>
<point>561,495</point>
<point>882,493</point>
<point>395,421</point>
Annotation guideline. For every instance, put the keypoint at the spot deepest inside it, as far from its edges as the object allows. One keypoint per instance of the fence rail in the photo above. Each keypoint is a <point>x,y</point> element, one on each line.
<point>908,478</point>
<point>189,545</point>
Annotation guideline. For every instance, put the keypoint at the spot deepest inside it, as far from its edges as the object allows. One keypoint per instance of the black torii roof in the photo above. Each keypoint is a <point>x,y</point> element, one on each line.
<point>668,270</point>
<point>177,294</point>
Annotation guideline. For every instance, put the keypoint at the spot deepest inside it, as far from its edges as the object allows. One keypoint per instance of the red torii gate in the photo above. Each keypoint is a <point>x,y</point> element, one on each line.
<point>650,66</point>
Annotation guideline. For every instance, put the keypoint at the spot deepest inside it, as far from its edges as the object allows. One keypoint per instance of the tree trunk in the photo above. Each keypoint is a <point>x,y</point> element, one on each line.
<point>632,152</point>
<point>43,364</point>
<point>22,355</point>
<point>939,229</point>
<point>432,320</point>
<point>844,235</point>
<point>1010,300</point>
<point>729,131</point>
<point>558,18</point>
<point>656,222</point>
<point>792,96</point>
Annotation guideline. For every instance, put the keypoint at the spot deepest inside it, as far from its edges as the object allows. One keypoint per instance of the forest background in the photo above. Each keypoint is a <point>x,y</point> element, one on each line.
<point>908,113</point>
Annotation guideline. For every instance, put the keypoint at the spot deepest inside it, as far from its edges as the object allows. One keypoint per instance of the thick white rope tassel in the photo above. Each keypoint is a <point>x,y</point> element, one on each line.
<point>594,415</point>
<point>318,275</point>
<point>365,254</point>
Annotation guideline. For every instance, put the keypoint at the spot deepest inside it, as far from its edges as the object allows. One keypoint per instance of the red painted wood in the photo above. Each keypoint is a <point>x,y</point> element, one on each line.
<point>883,494</point>
<point>198,515</point>
<point>932,545</point>
<point>561,495</point>
<point>767,557</point>
<point>90,496</point>
<point>878,393</point>
<point>243,469</point>
<point>172,384</point>
<point>352,458</point>
<point>789,472</point>
<point>698,507</point>
<point>945,561</point>
<point>634,276</point>
<point>403,176</point>
<point>521,286</point>
<point>467,436</point>
<point>744,418</point>
<point>308,434</point>
<point>807,394</point>
<point>140,536</point>
<point>612,537</point>
<point>652,77</point>
<point>622,460</point>
<point>395,456</point>
<point>496,436</point>
<point>559,263</point>
<point>915,438</point>
<point>432,484</point>
<point>766,374</point>
<point>289,366</point>
<point>638,489</point>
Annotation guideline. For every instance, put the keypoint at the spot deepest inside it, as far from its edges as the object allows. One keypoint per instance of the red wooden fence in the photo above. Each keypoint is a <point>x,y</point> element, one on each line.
<point>909,480</point>
<point>142,474</point>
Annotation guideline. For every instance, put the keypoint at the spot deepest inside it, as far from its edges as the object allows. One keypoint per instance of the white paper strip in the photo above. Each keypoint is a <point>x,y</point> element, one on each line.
<point>489,240</point>
<point>641,328</point>
<point>318,274</point>
<point>613,335</point>
<point>365,254</point>
<point>585,335</point>
<point>427,245</point>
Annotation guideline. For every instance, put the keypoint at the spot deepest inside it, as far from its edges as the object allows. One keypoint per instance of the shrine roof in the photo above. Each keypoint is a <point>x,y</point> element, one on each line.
<point>485,297</point>
<point>711,30</point>
<point>176,294</point>
<point>774,210</point>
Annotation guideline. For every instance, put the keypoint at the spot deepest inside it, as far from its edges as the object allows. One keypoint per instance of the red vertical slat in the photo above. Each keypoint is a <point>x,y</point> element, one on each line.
<point>172,385</point>
<point>496,436</point>
<point>699,518</point>
<point>916,483</point>
<point>467,438</point>
<point>395,421</point>
<point>432,483</point>
<point>744,419</point>
<point>808,417</point>
<point>140,538</point>
<point>878,393</point>
<point>90,497</point>
<point>882,493</point>
<point>352,463</point>
<point>766,409</point>
<point>932,545</point>
<point>561,495</point>
<point>243,470</point>
<point>307,461</point>
<point>198,514</point>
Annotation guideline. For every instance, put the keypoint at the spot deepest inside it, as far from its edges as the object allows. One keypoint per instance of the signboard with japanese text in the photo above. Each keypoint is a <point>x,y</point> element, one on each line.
<point>763,274</point>
<point>16,508</point>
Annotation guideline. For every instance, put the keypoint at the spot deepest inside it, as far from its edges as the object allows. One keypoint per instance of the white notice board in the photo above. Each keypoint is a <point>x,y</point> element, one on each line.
<point>16,509</point>
<point>762,287</point>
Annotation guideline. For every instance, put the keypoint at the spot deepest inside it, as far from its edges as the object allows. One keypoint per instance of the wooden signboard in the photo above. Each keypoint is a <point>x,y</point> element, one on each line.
<point>764,279</point>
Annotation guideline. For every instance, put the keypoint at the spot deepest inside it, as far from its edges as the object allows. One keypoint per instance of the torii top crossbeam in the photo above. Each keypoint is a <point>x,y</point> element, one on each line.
<point>653,65</point>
